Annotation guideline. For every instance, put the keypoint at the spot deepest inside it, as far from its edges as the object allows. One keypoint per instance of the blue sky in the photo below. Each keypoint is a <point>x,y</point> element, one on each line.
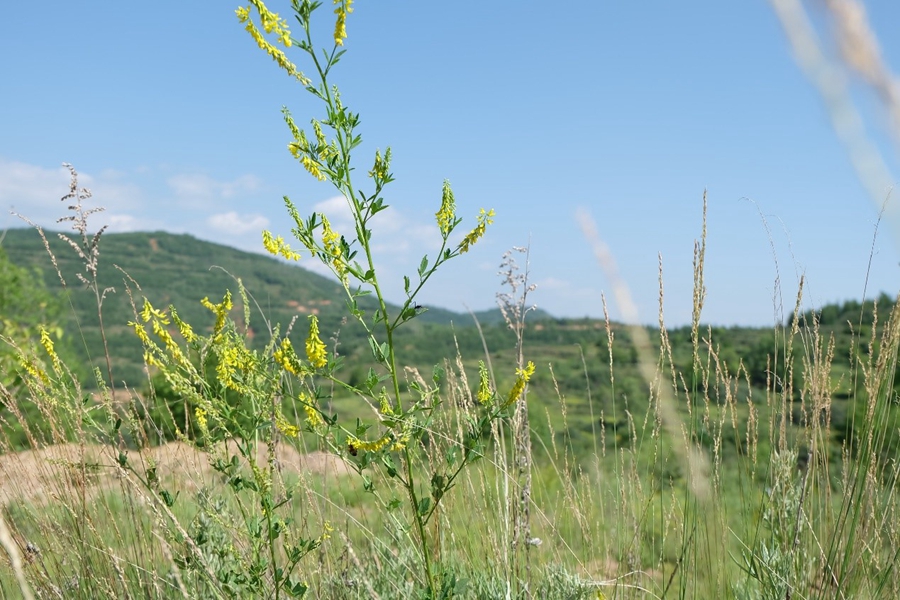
<point>628,110</point>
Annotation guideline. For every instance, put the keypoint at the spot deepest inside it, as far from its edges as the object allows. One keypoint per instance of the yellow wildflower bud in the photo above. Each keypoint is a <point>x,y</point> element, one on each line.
<point>320,137</point>
<point>447,213</point>
<point>151,360</point>
<point>282,424</point>
<point>385,404</point>
<point>340,26</point>
<point>311,166</point>
<point>313,418</point>
<point>32,369</point>
<point>484,393</point>
<point>367,446</point>
<point>287,358</point>
<point>186,331</point>
<point>225,370</point>
<point>315,348</point>
<point>332,242</point>
<point>277,246</point>
<point>326,532</point>
<point>140,332</point>
<point>201,419</point>
<point>220,310</point>
<point>149,312</point>
<point>522,378</point>
<point>484,219</point>
<point>271,24</point>
<point>47,343</point>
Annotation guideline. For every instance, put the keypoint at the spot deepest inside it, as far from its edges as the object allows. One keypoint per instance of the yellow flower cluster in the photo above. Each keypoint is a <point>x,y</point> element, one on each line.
<point>309,164</point>
<point>271,23</point>
<point>367,446</point>
<point>158,319</point>
<point>447,213</point>
<point>484,393</point>
<point>47,343</point>
<point>300,143</point>
<point>522,378</point>
<point>381,166</point>
<point>286,428</point>
<point>220,310</point>
<point>140,332</point>
<point>185,329</point>
<point>33,370</point>
<point>148,312</point>
<point>402,440</point>
<point>234,358</point>
<point>385,404</point>
<point>287,358</point>
<point>320,138</point>
<point>485,218</point>
<point>313,418</point>
<point>340,27</point>
<point>200,413</point>
<point>332,242</point>
<point>277,246</point>
<point>174,350</point>
<point>315,348</point>
<point>326,532</point>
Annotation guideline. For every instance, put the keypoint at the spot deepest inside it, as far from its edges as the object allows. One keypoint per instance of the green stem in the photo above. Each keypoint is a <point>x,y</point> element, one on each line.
<point>420,524</point>
<point>345,141</point>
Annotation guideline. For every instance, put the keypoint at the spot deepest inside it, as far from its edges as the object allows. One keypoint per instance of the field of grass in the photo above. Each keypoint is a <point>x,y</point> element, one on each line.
<point>708,479</point>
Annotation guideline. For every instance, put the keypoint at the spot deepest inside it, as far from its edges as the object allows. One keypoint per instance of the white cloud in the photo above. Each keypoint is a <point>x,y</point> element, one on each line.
<point>25,185</point>
<point>236,224</point>
<point>35,191</point>
<point>198,189</point>
<point>338,212</point>
<point>120,223</point>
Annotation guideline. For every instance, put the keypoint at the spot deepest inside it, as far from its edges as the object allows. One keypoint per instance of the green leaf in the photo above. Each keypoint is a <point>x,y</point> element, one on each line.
<point>423,266</point>
<point>297,589</point>
<point>361,428</point>
<point>438,486</point>
<point>389,465</point>
<point>168,498</point>
<point>371,380</point>
<point>424,505</point>
<point>452,456</point>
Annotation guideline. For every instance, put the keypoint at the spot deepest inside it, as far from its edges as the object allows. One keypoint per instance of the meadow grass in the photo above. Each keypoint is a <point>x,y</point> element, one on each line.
<point>775,509</point>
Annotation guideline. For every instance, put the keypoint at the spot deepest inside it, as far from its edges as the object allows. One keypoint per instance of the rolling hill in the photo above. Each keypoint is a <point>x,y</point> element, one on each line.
<point>181,270</point>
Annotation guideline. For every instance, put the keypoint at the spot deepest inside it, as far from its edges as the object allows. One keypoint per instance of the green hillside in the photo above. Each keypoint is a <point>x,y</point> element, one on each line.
<point>181,270</point>
<point>573,354</point>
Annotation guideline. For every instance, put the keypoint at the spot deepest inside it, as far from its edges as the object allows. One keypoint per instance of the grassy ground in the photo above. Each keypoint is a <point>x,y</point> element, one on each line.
<point>720,494</point>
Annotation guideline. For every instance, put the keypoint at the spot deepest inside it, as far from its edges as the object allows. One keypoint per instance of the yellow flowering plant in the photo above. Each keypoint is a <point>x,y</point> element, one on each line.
<point>397,440</point>
<point>239,396</point>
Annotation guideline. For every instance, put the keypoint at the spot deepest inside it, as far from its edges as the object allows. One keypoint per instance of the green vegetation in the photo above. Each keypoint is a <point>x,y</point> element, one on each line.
<point>190,437</point>
<point>182,270</point>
